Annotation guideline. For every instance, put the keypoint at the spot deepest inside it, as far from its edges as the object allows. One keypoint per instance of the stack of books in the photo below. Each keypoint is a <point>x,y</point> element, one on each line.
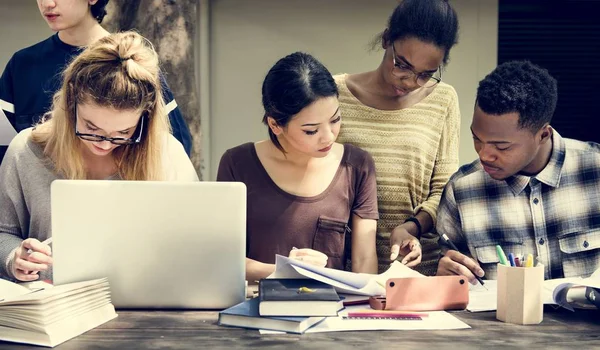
<point>49,315</point>
<point>287,305</point>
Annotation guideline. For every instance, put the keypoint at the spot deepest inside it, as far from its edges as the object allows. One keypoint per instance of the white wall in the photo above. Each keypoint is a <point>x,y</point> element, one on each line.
<point>248,37</point>
<point>21,25</point>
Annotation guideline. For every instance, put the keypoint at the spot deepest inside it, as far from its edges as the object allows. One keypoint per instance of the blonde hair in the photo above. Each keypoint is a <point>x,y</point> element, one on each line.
<point>119,71</point>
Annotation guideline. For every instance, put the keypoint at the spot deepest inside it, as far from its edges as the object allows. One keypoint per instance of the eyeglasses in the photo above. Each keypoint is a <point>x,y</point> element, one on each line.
<point>114,140</point>
<point>403,71</point>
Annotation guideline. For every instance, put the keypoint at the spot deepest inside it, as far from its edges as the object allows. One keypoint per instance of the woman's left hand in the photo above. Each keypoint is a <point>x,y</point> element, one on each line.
<point>406,245</point>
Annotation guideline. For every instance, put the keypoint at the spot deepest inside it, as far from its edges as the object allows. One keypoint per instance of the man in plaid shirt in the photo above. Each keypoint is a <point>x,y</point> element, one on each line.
<point>530,191</point>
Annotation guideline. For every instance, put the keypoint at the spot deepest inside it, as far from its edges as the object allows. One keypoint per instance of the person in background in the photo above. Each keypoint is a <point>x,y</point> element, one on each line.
<point>33,74</point>
<point>531,191</point>
<point>107,121</point>
<point>306,192</point>
<point>408,120</point>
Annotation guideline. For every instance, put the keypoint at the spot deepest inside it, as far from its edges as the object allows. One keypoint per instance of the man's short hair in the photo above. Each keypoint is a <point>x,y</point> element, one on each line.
<point>522,87</point>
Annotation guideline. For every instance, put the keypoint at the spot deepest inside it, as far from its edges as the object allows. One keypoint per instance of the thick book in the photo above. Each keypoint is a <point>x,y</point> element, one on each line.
<point>246,315</point>
<point>49,315</point>
<point>297,297</point>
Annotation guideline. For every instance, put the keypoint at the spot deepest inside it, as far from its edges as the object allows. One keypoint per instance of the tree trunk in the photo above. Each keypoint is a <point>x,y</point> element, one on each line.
<point>171,26</point>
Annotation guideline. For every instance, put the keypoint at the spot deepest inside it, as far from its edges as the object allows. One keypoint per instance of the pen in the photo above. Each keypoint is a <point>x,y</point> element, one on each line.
<point>517,262</point>
<point>29,251</point>
<point>449,242</point>
<point>48,241</point>
<point>501,255</point>
<point>511,259</point>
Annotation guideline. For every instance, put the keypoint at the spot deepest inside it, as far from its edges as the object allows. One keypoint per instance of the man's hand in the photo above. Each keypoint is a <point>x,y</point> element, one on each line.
<point>455,263</point>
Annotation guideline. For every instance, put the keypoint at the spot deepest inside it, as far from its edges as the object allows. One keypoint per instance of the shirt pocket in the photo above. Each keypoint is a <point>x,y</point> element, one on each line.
<point>488,258</point>
<point>580,253</point>
<point>329,240</point>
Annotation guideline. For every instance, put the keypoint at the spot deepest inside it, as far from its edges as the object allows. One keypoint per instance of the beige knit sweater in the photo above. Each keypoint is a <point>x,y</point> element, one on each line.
<point>415,151</point>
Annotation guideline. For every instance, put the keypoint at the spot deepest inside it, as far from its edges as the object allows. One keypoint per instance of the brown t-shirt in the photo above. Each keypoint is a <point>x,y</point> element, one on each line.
<point>278,220</point>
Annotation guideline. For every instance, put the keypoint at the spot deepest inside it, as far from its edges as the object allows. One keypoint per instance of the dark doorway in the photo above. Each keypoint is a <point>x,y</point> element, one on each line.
<point>562,36</point>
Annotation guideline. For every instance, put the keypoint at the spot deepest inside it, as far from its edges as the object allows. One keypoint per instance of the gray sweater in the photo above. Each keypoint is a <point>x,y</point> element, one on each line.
<point>25,178</point>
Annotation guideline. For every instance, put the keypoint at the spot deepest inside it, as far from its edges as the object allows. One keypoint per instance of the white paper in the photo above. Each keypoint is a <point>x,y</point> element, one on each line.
<point>7,132</point>
<point>482,299</point>
<point>436,320</point>
<point>343,281</point>
<point>9,289</point>
<point>554,291</point>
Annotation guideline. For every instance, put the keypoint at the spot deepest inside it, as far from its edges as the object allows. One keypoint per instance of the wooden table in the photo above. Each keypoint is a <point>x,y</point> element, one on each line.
<point>561,329</point>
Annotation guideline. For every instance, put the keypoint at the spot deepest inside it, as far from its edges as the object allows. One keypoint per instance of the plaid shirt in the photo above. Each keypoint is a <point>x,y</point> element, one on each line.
<point>554,215</point>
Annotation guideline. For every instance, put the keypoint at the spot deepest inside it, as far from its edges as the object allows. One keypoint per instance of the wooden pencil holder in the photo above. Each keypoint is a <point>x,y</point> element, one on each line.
<point>520,294</point>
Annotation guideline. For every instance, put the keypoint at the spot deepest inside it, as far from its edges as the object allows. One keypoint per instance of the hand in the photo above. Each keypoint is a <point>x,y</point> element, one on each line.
<point>29,258</point>
<point>310,256</point>
<point>407,245</point>
<point>455,263</point>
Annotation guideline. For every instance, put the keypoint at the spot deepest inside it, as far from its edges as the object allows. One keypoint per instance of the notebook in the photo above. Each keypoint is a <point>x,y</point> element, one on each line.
<point>297,297</point>
<point>246,315</point>
<point>49,316</point>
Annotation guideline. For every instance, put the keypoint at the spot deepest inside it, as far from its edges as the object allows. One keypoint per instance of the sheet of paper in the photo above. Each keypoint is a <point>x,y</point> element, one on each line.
<point>9,289</point>
<point>343,281</point>
<point>555,291</point>
<point>482,299</point>
<point>7,132</point>
<point>438,320</point>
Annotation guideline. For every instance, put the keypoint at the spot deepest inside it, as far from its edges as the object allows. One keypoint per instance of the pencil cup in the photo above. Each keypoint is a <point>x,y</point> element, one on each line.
<point>520,294</point>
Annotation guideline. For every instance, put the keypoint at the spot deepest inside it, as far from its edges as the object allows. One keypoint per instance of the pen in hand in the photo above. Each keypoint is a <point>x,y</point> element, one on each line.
<point>453,247</point>
<point>47,241</point>
<point>29,251</point>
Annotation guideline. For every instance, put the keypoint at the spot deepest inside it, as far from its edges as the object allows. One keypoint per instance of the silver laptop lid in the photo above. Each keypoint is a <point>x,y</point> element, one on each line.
<point>161,244</point>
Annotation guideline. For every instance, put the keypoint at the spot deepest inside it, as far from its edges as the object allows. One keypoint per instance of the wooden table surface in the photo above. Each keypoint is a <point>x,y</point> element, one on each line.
<point>561,329</point>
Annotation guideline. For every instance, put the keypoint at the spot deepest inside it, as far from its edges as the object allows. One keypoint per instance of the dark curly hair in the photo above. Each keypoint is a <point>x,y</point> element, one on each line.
<point>431,21</point>
<point>99,10</point>
<point>522,87</point>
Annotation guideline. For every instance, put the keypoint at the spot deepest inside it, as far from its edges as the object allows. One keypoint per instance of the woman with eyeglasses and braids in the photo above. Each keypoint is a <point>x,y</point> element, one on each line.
<point>107,121</point>
<point>408,119</point>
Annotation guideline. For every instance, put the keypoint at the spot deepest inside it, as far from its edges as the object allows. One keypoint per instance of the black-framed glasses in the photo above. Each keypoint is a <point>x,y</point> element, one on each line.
<point>114,140</point>
<point>403,71</point>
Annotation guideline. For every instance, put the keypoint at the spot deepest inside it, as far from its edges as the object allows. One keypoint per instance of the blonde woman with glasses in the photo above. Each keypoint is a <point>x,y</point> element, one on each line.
<point>408,119</point>
<point>107,121</point>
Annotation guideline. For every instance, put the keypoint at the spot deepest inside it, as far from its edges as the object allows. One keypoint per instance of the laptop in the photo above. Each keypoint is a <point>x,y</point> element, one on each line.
<point>165,245</point>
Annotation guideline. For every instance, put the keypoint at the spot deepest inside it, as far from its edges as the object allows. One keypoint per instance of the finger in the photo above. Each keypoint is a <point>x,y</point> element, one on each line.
<point>37,246</point>
<point>25,265</point>
<point>411,257</point>
<point>467,262</point>
<point>24,277</point>
<point>415,244</point>
<point>309,252</point>
<point>313,260</point>
<point>395,250</point>
<point>462,270</point>
<point>40,258</point>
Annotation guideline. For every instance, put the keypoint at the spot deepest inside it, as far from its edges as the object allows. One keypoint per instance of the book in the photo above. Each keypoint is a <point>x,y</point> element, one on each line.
<point>246,315</point>
<point>46,315</point>
<point>297,297</point>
